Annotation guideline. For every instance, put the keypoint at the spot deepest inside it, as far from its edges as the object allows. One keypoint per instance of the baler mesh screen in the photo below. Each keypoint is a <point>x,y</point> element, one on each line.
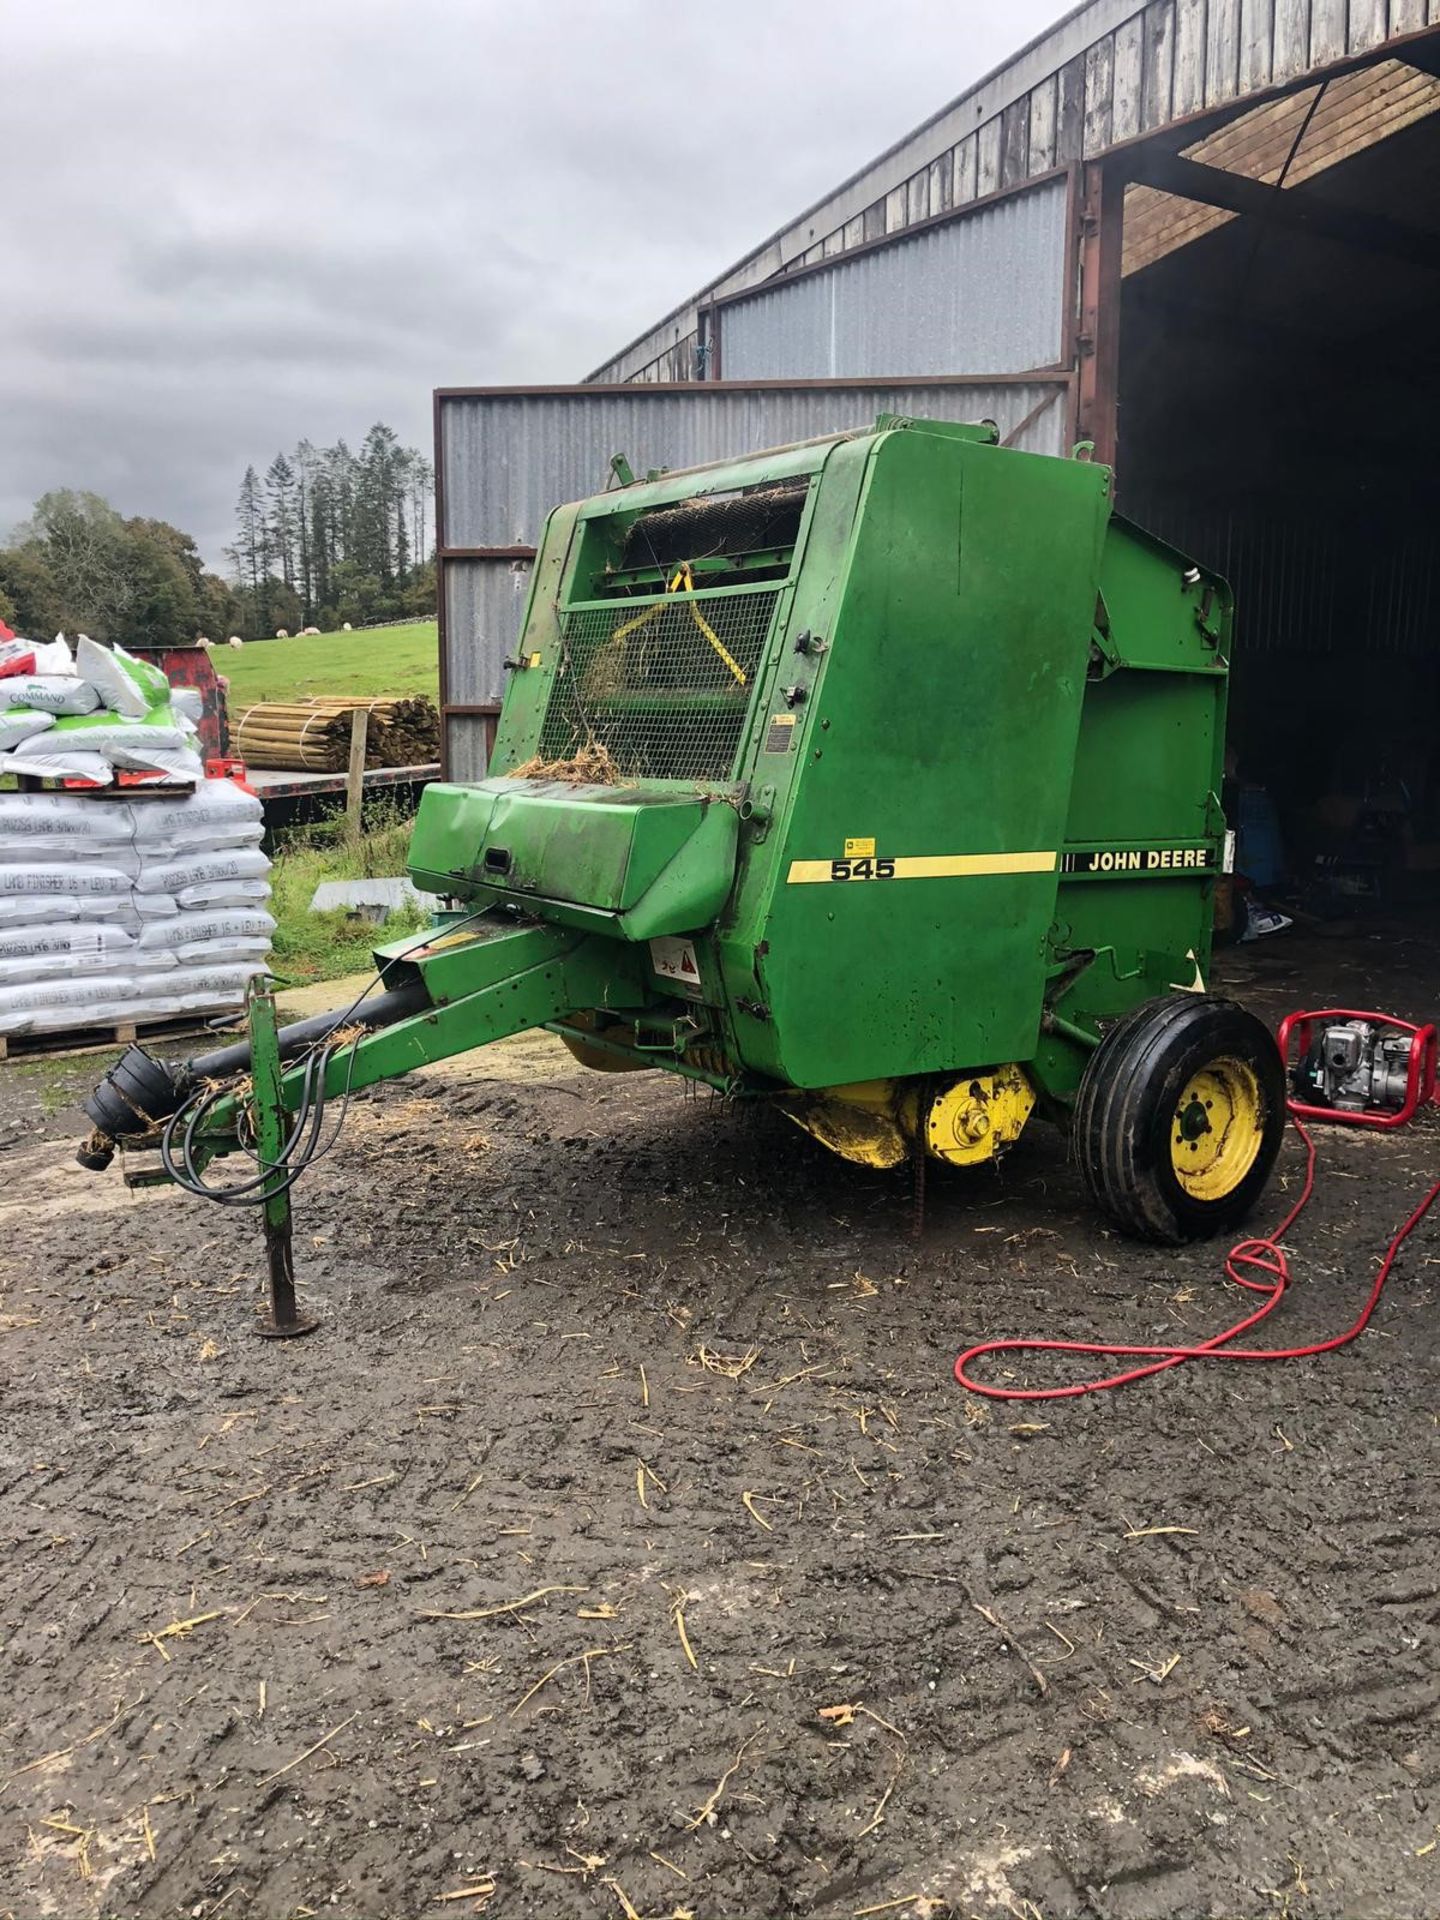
<point>664,687</point>
<point>711,525</point>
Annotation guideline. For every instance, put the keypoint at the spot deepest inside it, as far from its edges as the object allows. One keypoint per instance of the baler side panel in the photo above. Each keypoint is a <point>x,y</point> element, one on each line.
<point>777,744</point>
<point>527,693</point>
<point>943,730</point>
<point>1148,769</point>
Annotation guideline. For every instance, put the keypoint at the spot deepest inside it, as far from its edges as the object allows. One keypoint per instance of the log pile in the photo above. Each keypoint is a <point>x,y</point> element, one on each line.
<point>313,736</point>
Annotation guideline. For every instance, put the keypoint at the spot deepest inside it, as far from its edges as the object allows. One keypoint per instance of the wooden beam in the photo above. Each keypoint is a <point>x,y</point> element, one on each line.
<point>355,772</point>
<point>1293,207</point>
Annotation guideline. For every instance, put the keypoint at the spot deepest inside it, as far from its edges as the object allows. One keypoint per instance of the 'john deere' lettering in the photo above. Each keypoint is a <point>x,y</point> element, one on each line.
<point>1142,860</point>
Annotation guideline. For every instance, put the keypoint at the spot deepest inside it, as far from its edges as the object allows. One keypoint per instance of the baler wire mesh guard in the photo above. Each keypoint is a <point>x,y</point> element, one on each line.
<point>663,686</point>
<point>711,526</point>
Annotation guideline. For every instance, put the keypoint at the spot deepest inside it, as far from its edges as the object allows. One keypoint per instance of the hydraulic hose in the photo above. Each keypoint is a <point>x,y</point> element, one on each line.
<point>382,1011</point>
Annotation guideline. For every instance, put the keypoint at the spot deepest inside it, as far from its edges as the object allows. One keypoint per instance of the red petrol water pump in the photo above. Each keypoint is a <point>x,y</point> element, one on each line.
<point>1360,1069</point>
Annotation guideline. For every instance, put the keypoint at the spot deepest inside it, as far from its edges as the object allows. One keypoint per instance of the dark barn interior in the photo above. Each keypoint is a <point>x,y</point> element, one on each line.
<point>1279,414</point>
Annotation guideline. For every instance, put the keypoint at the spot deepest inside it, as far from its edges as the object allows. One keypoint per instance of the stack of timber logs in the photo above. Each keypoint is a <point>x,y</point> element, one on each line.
<point>313,736</point>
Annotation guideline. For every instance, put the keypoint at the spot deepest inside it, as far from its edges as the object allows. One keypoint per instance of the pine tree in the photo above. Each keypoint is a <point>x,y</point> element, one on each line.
<point>334,525</point>
<point>373,547</point>
<point>280,494</point>
<point>248,552</point>
<point>422,491</point>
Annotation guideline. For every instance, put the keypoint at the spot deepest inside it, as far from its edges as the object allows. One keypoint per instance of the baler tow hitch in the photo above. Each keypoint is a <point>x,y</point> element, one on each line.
<point>145,1102</point>
<point>266,1097</point>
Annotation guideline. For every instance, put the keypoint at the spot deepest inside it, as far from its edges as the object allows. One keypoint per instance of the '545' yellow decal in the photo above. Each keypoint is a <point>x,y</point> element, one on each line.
<point>925,866</point>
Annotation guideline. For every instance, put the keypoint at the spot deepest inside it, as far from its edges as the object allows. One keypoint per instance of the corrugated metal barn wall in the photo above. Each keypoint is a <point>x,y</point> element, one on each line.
<point>982,292</point>
<point>1106,74</point>
<point>505,457</point>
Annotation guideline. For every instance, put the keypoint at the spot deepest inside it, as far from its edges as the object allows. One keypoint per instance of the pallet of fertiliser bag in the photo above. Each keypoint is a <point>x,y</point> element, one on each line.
<point>118,912</point>
<point>91,715</point>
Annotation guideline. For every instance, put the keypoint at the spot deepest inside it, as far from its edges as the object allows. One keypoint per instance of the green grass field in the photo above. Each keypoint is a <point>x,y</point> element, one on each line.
<point>380,660</point>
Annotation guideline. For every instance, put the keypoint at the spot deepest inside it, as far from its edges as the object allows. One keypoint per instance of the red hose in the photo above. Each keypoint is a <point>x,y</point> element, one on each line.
<point>1266,1257</point>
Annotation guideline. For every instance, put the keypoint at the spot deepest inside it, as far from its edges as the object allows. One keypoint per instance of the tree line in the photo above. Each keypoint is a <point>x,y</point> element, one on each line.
<point>78,566</point>
<point>329,535</point>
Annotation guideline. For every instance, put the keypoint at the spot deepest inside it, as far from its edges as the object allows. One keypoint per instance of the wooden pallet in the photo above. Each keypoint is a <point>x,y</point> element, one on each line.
<point>120,1033</point>
<point>145,790</point>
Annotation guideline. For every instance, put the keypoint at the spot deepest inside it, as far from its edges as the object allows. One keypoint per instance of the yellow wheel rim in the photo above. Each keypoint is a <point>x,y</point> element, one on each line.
<point>1217,1129</point>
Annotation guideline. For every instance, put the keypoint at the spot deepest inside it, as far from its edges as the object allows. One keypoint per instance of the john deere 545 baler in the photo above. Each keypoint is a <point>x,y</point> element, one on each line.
<point>876,777</point>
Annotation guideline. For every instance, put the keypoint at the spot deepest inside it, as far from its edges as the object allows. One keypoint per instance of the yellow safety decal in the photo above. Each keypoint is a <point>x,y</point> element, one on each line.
<point>943,866</point>
<point>534,660</point>
<point>860,849</point>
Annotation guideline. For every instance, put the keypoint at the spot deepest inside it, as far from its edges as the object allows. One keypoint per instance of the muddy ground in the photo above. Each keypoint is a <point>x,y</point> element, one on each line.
<point>623,1545</point>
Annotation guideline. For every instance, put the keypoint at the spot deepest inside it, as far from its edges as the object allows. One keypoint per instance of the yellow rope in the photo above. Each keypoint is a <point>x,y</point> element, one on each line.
<point>684,576</point>
<point>704,625</point>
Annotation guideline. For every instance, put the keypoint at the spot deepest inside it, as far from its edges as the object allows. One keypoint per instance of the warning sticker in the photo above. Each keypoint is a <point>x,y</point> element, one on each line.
<point>675,960</point>
<point>781,736</point>
<point>860,849</point>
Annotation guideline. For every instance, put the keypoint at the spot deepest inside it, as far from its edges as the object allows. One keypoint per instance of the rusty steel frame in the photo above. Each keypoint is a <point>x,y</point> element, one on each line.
<point>1101,246</point>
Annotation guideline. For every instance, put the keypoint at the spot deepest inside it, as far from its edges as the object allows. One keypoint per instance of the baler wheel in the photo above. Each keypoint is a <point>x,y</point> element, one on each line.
<point>1179,1118</point>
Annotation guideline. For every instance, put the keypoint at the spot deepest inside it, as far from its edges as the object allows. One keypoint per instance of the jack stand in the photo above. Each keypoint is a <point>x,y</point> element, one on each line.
<point>285,1321</point>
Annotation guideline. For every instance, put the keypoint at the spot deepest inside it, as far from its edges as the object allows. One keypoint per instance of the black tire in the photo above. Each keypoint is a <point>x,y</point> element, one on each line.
<point>1138,1113</point>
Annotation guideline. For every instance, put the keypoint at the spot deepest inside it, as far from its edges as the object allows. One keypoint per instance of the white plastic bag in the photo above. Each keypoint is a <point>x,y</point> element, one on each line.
<point>225,893</point>
<point>142,970</point>
<point>127,686</point>
<point>126,743</point>
<point>219,953</point>
<point>23,909</point>
<point>19,723</point>
<point>49,693</point>
<point>53,657</point>
<point>183,764</point>
<point>239,863</point>
<point>211,986</point>
<point>217,813</point>
<point>74,877</point>
<point>66,766</point>
<point>65,943</point>
<point>187,928</point>
<point>62,820</point>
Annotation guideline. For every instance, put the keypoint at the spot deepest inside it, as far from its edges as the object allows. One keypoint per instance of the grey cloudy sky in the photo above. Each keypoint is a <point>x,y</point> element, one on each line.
<point>230,226</point>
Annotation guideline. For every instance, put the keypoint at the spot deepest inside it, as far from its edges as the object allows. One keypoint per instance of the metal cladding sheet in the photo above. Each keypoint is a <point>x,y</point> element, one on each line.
<point>484,603</point>
<point>981,293</point>
<point>507,458</point>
